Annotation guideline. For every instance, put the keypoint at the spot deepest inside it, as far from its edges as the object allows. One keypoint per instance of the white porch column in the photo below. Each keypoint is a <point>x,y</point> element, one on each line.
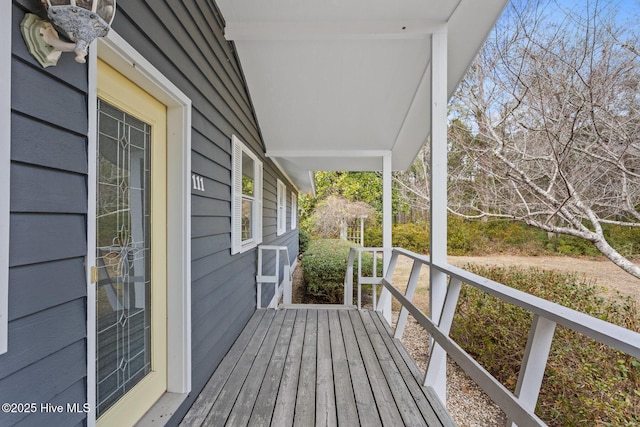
<point>438,163</point>
<point>386,225</point>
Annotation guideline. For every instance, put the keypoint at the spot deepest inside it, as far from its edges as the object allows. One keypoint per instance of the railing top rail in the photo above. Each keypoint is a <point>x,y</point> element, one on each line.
<point>615,336</point>
<point>422,258</point>
<point>285,249</point>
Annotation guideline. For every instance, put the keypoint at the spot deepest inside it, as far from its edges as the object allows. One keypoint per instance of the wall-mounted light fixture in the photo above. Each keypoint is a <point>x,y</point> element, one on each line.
<point>81,21</point>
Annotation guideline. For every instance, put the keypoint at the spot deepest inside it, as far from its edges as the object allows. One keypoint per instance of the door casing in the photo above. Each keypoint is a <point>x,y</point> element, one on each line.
<point>119,54</point>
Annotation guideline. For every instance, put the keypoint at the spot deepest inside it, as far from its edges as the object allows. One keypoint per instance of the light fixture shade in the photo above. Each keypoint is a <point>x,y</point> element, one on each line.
<point>81,20</point>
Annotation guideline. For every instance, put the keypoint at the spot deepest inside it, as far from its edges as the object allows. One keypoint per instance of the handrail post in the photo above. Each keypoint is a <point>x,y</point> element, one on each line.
<point>534,362</point>
<point>348,279</point>
<point>259,281</point>
<point>388,275</point>
<point>359,284</point>
<point>286,297</point>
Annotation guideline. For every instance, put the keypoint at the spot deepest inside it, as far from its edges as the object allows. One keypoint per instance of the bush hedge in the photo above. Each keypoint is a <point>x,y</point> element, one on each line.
<point>303,240</point>
<point>467,237</point>
<point>411,236</point>
<point>324,266</point>
<point>586,383</point>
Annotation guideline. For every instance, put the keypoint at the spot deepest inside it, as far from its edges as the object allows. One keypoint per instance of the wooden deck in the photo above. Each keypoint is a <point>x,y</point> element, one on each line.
<point>322,367</point>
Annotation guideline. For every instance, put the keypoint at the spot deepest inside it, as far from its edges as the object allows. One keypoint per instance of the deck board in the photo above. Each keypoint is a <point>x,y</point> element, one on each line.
<point>325,394</point>
<point>286,400</point>
<point>312,367</point>
<point>227,396</point>
<point>365,402</point>
<point>385,401</point>
<point>346,410</point>
<point>211,391</point>
<point>263,409</point>
<point>246,400</point>
<point>305,402</point>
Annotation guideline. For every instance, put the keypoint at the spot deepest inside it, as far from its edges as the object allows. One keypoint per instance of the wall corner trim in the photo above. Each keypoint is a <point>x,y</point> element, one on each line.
<point>5,168</point>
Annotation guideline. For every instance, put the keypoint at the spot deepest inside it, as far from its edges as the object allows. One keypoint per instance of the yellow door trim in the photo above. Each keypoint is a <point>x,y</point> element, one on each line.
<point>120,92</point>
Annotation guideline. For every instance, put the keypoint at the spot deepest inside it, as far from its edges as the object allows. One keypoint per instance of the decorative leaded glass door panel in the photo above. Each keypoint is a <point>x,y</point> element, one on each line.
<point>130,249</point>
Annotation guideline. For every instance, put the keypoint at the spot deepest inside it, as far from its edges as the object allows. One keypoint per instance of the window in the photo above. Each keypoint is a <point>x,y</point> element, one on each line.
<point>294,210</point>
<point>246,198</point>
<point>282,208</point>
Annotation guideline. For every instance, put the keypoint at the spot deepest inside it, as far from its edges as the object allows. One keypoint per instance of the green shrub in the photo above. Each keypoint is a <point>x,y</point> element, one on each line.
<point>474,237</point>
<point>373,237</point>
<point>411,236</point>
<point>324,266</point>
<point>625,240</point>
<point>303,240</point>
<point>586,383</point>
<point>461,236</point>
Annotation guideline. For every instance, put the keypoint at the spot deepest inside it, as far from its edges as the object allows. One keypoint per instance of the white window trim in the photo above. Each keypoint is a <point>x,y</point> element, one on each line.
<point>119,54</point>
<point>237,244</point>
<point>294,210</point>
<point>281,208</point>
<point>5,168</point>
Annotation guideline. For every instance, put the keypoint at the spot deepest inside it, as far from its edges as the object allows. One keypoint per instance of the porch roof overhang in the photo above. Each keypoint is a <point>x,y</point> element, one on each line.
<point>337,85</point>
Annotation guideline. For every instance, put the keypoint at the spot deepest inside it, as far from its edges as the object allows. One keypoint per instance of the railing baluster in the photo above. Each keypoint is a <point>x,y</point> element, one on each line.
<point>534,362</point>
<point>412,284</point>
<point>438,358</point>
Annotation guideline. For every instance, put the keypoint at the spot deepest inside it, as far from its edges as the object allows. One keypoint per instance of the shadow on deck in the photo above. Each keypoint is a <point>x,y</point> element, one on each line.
<point>316,367</point>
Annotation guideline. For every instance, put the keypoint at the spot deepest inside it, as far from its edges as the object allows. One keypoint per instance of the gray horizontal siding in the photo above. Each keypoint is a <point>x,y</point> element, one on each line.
<point>60,281</point>
<point>75,394</point>
<point>40,189</point>
<point>61,106</point>
<point>39,143</point>
<point>46,358</point>
<point>52,330</point>
<point>44,380</point>
<point>42,237</point>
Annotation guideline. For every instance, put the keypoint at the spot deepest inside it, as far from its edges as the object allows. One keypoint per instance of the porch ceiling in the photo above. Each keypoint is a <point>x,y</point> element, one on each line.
<point>336,84</point>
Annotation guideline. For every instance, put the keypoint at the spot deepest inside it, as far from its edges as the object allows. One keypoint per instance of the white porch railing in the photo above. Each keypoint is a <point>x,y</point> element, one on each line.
<point>282,282</point>
<point>519,406</point>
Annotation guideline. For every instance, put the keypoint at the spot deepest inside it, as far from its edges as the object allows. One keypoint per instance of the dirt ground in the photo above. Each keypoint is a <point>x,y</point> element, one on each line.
<point>604,273</point>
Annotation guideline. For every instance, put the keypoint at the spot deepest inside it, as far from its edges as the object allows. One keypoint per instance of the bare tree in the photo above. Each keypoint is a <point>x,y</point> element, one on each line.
<point>333,214</point>
<point>547,124</point>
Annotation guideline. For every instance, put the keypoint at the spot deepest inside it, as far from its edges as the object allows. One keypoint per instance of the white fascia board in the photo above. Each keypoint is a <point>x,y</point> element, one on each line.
<point>283,172</point>
<point>5,168</point>
<point>406,29</point>
<point>326,153</point>
<point>312,179</point>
